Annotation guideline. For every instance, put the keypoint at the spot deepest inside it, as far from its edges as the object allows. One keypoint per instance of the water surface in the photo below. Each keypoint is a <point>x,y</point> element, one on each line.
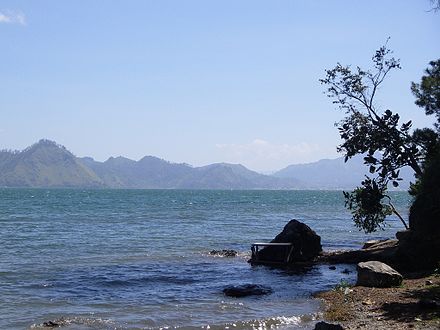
<point>133,259</point>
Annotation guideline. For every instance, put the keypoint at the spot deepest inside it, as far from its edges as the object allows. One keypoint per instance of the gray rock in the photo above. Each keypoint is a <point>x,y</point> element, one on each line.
<point>327,326</point>
<point>377,274</point>
<point>246,290</point>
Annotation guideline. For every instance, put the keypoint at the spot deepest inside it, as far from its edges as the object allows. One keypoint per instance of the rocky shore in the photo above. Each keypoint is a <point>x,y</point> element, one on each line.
<point>382,297</point>
<point>412,305</point>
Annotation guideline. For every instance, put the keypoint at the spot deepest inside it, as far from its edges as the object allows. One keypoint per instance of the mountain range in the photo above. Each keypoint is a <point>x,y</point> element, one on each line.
<point>48,164</point>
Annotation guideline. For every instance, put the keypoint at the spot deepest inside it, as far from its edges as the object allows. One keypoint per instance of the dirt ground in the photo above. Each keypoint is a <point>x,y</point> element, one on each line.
<point>413,305</point>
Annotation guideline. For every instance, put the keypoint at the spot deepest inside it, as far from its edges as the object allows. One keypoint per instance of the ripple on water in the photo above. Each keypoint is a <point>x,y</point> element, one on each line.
<point>103,259</point>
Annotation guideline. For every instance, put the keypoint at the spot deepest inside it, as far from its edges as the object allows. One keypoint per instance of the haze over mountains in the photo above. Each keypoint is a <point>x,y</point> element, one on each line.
<point>47,164</point>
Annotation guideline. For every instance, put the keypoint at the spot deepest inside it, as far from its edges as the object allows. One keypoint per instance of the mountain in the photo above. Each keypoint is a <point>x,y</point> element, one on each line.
<point>334,173</point>
<point>149,172</point>
<point>45,164</point>
<point>233,176</point>
<point>48,164</point>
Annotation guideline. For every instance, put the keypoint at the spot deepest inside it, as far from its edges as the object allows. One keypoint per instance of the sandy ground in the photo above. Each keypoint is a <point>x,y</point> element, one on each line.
<point>413,305</point>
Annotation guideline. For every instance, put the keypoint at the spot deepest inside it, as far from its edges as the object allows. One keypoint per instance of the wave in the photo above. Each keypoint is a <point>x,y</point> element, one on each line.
<point>279,322</point>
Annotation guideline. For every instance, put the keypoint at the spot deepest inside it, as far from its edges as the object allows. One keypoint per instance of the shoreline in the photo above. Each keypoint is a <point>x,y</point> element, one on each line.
<point>413,305</point>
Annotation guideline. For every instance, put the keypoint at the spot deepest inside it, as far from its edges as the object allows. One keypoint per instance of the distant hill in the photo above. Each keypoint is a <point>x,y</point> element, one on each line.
<point>149,172</point>
<point>45,164</point>
<point>334,173</point>
<point>234,176</point>
<point>48,164</point>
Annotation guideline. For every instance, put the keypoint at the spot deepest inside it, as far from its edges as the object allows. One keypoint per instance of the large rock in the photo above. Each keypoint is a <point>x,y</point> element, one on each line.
<point>305,242</point>
<point>377,274</point>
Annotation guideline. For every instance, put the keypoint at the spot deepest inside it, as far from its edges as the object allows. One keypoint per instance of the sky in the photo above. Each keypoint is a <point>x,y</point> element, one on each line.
<point>199,82</point>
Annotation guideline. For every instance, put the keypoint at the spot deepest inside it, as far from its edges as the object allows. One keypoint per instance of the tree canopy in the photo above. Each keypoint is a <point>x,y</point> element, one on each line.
<point>386,143</point>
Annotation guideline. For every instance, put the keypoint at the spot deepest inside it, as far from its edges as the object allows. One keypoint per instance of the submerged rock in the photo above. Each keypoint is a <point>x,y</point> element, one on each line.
<point>377,274</point>
<point>54,323</point>
<point>224,253</point>
<point>305,242</point>
<point>346,271</point>
<point>246,290</point>
<point>51,324</point>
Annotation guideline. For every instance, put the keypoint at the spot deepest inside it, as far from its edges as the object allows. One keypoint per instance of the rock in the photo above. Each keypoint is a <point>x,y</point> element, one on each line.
<point>246,290</point>
<point>417,250</point>
<point>346,271</point>
<point>54,324</point>
<point>224,253</point>
<point>327,326</point>
<point>428,304</point>
<point>368,244</point>
<point>377,274</point>
<point>384,252</point>
<point>305,242</point>
<point>403,235</point>
<point>332,268</point>
<point>429,282</point>
<point>51,324</point>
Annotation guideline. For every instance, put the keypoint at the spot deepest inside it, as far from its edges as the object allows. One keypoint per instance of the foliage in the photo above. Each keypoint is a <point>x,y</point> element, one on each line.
<point>387,144</point>
<point>427,91</point>
<point>368,210</point>
<point>424,214</point>
<point>342,285</point>
<point>435,5</point>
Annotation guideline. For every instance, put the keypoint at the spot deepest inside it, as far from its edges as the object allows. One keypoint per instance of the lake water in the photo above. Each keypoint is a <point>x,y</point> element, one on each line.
<point>139,259</point>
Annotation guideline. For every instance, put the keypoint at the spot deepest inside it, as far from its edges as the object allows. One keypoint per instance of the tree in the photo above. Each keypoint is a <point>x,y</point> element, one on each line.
<point>427,92</point>
<point>386,144</point>
<point>435,5</point>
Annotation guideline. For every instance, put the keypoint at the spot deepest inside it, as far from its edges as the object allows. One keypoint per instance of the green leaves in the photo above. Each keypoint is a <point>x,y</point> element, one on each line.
<point>366,205</point>
<point>387,145</point>
<point>427,92</point>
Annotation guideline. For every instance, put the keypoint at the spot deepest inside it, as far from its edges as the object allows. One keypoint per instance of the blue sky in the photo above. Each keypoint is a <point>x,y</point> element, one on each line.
<point>198,81</point>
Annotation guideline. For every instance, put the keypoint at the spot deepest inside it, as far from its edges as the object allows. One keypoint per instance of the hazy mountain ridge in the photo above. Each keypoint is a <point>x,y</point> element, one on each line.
<point>48,164</point>
<point>335,173</point>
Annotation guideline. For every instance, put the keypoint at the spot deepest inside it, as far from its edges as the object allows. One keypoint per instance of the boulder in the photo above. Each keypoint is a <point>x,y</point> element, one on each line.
<point>327,326</point>
<point>245,290</point>
<point>377,274</point>
<point>305,242</point>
